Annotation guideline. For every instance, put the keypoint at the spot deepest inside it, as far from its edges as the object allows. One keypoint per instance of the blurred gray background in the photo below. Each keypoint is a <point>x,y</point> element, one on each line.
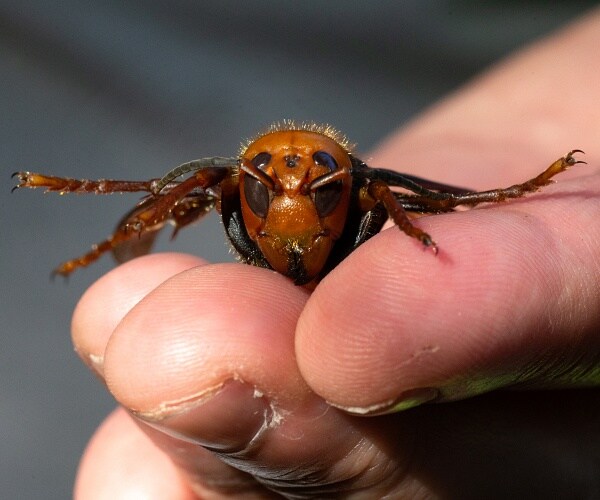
<point>131,89</point>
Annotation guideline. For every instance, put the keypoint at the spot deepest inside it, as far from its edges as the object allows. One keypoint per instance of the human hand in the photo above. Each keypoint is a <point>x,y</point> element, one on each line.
<point>231,385</point>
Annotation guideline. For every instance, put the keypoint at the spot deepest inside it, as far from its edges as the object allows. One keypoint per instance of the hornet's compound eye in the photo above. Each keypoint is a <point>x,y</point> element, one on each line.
<point>256,193</point>
<point>261,160</point>
<point>328,196</point>
<point>326,160</point>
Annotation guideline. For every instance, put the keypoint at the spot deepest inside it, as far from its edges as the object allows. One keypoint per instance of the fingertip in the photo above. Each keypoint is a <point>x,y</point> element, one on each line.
<point>200,329</point>
<point>392,319</point>
<point>108,300</point>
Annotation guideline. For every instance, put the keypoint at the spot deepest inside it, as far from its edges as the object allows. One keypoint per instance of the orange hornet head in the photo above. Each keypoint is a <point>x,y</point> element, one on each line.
<point>295,191</point>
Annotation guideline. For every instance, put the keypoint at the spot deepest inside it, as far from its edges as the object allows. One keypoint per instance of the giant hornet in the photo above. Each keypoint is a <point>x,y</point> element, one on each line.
<point>295,200</point>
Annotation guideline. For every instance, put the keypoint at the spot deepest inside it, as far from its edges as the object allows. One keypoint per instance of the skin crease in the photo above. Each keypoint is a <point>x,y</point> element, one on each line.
<point>230,381</point>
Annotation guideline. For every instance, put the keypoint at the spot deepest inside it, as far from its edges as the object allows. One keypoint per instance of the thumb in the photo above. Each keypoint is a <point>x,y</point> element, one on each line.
<point>512,298</point>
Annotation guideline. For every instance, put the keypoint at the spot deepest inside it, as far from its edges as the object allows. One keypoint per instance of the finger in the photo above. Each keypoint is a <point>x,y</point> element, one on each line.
<point>206,361</point>
<point>98,313</point>
<point>185,317</point>
<point>513,297</point>
<point>93,322</point>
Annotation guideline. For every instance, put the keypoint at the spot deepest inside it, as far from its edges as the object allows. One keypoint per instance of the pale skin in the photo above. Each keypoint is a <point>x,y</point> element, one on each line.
<point>233,385</point>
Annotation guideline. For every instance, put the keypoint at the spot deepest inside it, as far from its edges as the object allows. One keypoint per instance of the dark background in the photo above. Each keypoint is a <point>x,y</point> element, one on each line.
<point>131,89</point>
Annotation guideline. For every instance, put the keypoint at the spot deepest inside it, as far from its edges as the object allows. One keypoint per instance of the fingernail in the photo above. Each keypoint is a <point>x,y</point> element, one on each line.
<point>225,418</point>
<point>96,363</point>
<point>408,399</point>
